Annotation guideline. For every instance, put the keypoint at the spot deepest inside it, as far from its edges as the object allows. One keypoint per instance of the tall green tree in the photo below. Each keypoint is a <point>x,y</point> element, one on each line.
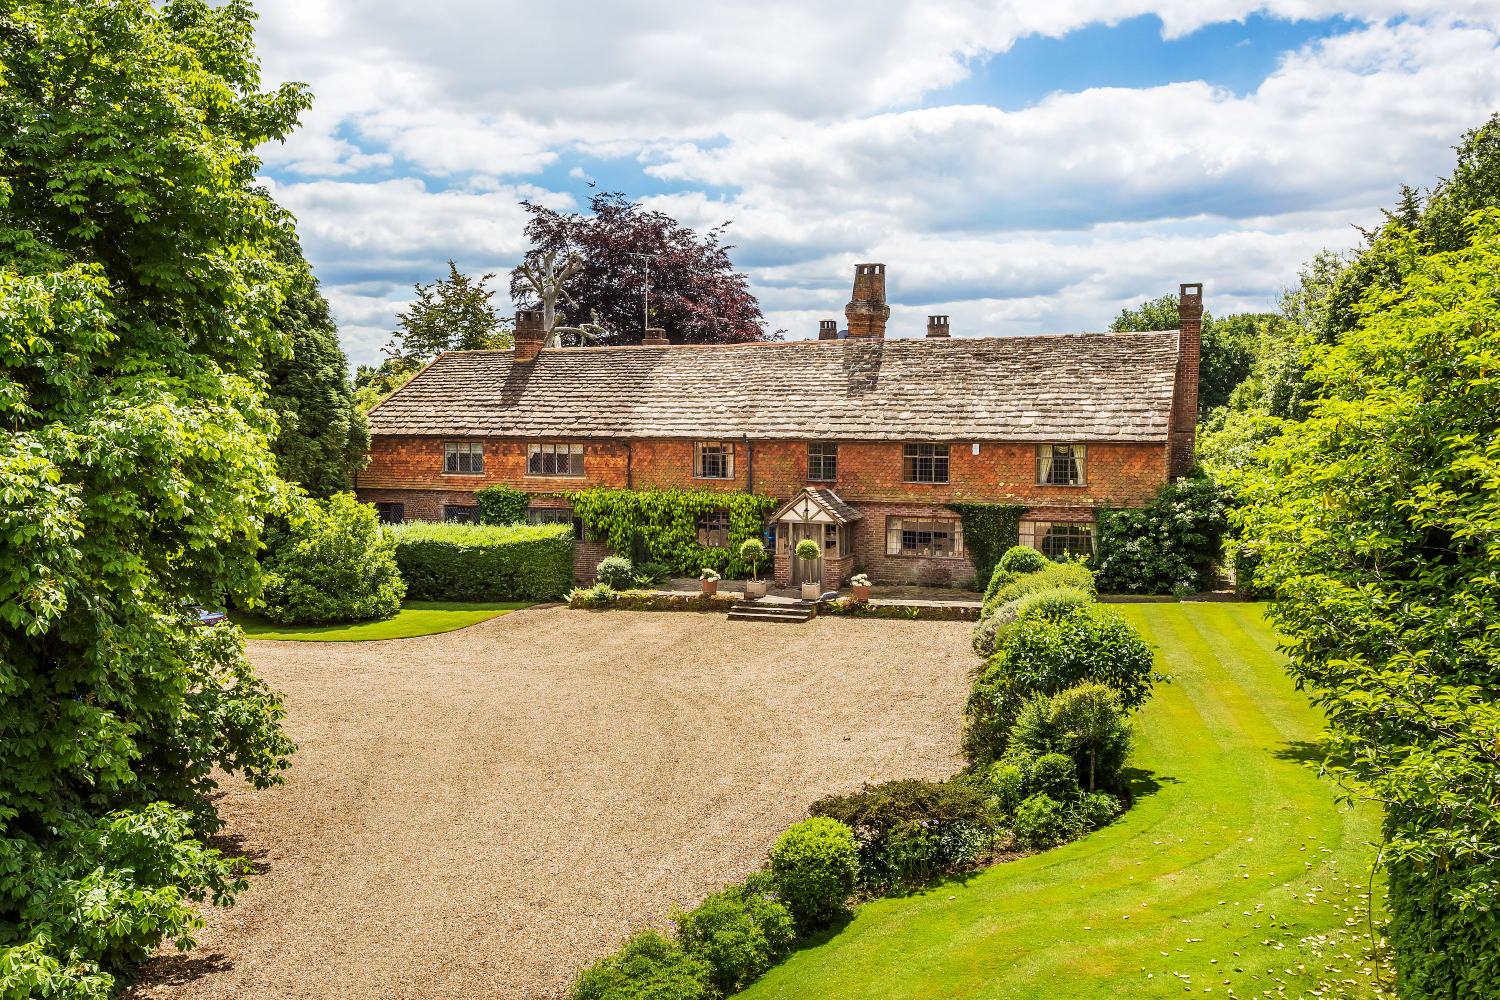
<point>139,283</point>
<point>1377,525</point>
<point>451,314</point>
<point>322,438</point>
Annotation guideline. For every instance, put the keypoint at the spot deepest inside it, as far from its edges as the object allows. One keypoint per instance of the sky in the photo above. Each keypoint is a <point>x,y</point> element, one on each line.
<point>1022,166</point>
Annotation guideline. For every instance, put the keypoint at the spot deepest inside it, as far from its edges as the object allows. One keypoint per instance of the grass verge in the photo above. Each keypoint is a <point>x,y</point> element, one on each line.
<point>1235,872</point>
<point>415,618</point>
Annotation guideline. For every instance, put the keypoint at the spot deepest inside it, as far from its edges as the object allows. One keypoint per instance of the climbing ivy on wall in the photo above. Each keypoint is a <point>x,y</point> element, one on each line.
<point>989,529</point>
<point>664,523</point>
<point>502,505</point>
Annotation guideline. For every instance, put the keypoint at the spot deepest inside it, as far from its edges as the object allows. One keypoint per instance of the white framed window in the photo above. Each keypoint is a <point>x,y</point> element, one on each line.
<point>1059,539</point>
<point>1061,465</point>
<point>463,458</point>
<point>924,463</point>
<point>932,537</point>
<point>551,458</point>
<point>713,460</point>
<point>822,462</point>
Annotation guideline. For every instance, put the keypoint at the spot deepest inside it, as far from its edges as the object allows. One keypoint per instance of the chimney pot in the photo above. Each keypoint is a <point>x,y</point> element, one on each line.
<point>937,326</point>
<point>655,337</point>
<point>828,329</point>
<point>531,333</point>
<point>867,311</point>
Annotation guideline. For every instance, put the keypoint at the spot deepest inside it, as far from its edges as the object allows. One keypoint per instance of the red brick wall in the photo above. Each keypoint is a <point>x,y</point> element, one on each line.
<point>417,463</point>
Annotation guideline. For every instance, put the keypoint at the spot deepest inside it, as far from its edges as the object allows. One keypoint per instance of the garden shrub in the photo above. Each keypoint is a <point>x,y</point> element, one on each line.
<point>911,830</point>
<point>616,572</point>
<point>337,564</point>
<point>1046,656</point>
<point>662,525</point>
<point>740,933</point>
<point>813,867</point>
<point>994,702</point>
<point>597,597</point>
<point>502,505</point>
<point>1170,546</point>
<point>1020,559</point>
<point>989,529</point>
<point>1050,576</point>
<point>649,967</point>
<point>991,628</point>
<point>472,562</point>
<point>1086,723</point>
<point>1093,810</point>
<point>648,574</point>
<point>1041,821</point>
<point>1055,776</point>
<point>999,578</point>
<point>1052,604</point>
<point>1007,783</point>
<point>753,555</point>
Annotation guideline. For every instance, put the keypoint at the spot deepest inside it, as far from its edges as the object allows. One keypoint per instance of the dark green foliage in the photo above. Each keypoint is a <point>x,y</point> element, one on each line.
<point>989,529</point>
<point>1041,821</point>
<point>1093,810</point>
<point>1053,775</point>
<point>322,438</point>
<point>1086,723</point>
<point>649,967</point>
<point>813,866</point>
<point>912,830</point>
<point>649,574</point>
<point>1172,545</point>
<point>472,562</point>
<point>595,598</point>
<point>1022,559</point>
<point>740,933</point>
<point>1376,525</point>
<point>451,314</point>
<point>662,525</point>
<point>502,505</point>
<point>335,564</point>
<point>139,286</point>
<point>616,572</point>
<point>1228,345</point>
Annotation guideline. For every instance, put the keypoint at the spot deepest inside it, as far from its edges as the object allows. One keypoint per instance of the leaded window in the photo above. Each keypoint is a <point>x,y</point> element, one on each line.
<point>463,458</point>
<point>554,459</point>
<point>924,463</point>
<point>461,513</point>
<point>1061,464</point>
<point>713,529</point>
<point>713,460</point>
<point>936,537</point>
<point>390,511</point>
<point>822,462</point>
<point>1059,539</point>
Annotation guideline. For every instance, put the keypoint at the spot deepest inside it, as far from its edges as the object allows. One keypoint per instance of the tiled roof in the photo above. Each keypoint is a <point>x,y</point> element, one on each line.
<point>1078,387</point>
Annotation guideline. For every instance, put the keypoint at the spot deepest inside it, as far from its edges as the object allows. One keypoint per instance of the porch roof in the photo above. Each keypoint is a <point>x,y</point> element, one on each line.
<point>817,506</point>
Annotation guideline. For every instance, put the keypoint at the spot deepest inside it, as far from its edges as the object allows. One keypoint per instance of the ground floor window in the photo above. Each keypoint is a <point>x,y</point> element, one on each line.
<point>1059,539</point>
<point>555,515</point>
<point>939,537</point>
<point>713,529</point>
<point>460,513</point>
<point>390,512</point>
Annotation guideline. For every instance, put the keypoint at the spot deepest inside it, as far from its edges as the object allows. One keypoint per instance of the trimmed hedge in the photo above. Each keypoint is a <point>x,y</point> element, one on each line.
<point>473,562</point>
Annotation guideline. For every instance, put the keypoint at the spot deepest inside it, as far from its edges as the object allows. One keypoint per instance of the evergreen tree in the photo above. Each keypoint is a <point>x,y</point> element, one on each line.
<point>450,314</point>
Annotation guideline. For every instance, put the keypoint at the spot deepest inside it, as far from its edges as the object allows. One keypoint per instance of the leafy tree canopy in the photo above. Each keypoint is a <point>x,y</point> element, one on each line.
<point>451,314</point>
<point>139,282</point>
<point>696,295</point>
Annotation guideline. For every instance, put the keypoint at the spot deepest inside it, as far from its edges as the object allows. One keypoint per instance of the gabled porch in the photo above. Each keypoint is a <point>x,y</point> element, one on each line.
<point>818,514</point>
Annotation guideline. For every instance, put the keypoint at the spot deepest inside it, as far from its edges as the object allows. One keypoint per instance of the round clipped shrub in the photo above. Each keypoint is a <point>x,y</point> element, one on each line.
<point>1055,776</point>
<point>808,549</point>
<point>753,553</point>
<point>813,866</point>
<point>1095,809</point>
<point>1041,821</point>
<point>616,572</point>
<point>1052,604</point>
<point>740,932</point>
<point>648,967</point>
<point>1044,656</point>
<point>1063,574</point>
<point>1020,559</point>
<point>998,579</point>
<point>335,565</point>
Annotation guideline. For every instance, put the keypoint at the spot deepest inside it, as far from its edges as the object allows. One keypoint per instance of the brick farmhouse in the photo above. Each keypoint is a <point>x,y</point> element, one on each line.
<point>865,438</point>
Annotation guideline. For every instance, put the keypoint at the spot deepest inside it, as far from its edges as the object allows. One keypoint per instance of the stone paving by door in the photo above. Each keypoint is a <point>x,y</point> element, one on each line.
<point>479,814</point>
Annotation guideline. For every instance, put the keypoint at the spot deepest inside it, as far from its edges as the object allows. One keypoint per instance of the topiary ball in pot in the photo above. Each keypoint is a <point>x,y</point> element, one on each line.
<point>813,866</point>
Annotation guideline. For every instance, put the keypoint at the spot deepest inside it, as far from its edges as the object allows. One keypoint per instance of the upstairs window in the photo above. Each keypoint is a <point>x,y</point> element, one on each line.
<point>936,537</point>
<point>1061,464</point>
<point>713,460</point>
<point>463,458</point>
<point>552,459</point>
<point>822,462</point>
<point>713,529</point>
<point>925,463</point>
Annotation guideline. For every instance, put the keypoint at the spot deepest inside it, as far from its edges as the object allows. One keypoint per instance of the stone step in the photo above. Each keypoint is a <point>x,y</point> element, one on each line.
<point>750,611</point>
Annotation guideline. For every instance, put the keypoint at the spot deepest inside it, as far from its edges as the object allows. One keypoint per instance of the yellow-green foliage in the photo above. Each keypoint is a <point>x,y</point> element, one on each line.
<point>475,562</point>
<point>664,523</point>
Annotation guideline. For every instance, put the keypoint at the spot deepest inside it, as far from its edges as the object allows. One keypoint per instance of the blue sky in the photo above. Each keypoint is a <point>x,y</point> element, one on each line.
<point>1021,166</point>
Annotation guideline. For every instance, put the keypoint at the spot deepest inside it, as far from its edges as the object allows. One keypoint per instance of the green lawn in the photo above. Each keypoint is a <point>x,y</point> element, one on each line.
<point>1223,878</point>
<point>415,618</point>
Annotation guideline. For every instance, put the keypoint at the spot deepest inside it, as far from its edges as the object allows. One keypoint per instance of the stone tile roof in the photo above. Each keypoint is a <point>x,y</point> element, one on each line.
<point>1075,387</point>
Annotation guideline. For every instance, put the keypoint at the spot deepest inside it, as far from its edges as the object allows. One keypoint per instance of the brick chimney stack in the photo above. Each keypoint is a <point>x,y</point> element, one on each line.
<point>937,326</point>
<point>867,311</point>
<point>1182,434</point>
<point>530,334</point>
<point>655,337</point>
<point>828,329</point>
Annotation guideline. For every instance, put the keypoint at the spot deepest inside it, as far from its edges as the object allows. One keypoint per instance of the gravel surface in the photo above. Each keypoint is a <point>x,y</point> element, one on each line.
<point>479,814</point>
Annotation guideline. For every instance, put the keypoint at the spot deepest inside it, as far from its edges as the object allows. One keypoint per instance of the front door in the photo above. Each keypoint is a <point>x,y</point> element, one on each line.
<point>803,570</point>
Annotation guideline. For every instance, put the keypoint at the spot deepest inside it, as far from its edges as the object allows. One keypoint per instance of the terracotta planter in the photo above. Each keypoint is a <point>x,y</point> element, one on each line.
<point>755,589</point>
<point>861,593</point>
<point>710,587</point>
<point>812,591</point>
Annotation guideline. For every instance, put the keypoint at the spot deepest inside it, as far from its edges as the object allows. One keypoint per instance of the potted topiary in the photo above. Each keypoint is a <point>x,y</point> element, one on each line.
<point>753,551</point>
<point>808,551</point>
<point>710,580</point>
<point>861,586</point>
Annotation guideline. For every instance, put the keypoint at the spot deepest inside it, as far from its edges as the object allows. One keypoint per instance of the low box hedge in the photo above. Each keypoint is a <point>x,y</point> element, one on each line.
<point>474,562</point>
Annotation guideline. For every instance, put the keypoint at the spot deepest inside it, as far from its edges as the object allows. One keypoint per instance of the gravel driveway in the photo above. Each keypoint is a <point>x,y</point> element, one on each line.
<point>481,813</point>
